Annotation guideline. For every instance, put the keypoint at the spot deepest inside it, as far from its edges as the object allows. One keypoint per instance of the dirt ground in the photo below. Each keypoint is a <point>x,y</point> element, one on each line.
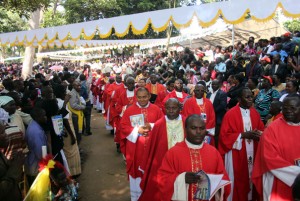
<point>104,176</point>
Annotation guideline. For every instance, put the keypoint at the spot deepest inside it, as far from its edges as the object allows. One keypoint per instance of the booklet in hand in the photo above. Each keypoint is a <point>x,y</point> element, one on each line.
<point>208,185</point>
<point>137,120</point>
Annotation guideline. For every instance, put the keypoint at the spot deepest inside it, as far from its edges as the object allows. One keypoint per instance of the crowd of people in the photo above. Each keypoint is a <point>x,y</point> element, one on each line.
<point>232,111</point>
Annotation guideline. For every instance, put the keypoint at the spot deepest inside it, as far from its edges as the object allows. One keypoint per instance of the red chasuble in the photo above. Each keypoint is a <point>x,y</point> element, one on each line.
<point>160,97</point>
<point>278,148</point>
<point>155,88</point>
<point>122,102</point>
<point>114,116</point>
<point>207,110</point>
<point>232,126</point>
<point>155,151</point>
<point>109,89</point>
<point>173,95</point>
<point>181,159</point>
<point>134,151</point>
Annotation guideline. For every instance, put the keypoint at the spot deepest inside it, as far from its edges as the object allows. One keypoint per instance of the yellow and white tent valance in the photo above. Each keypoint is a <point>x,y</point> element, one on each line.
<point>233,12</point>
<point>107,44</point>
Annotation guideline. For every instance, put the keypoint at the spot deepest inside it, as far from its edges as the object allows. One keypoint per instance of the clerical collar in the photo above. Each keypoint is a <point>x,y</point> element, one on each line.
<point>291,123</point>
<point>214,92</point>
<point>118,83</point>
<point>129,94</point>
<point>179,94</point>
<point>199,101</point>
<point>193,146</point>
<point>141,106</point>
<point>245,112</point>
<point>178,118</point>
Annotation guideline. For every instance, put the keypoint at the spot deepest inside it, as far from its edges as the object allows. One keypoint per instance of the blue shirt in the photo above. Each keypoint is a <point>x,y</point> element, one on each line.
<point>282,54</point>
<point>221,67</point>
<point>35,138</point>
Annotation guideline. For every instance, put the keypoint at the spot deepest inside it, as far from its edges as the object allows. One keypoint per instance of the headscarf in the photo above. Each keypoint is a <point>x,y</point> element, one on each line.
<point>4,100</point>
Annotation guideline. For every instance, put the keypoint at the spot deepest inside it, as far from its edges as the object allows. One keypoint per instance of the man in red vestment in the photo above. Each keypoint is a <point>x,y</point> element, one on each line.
<point>162,94</point>
<point>203,107</point>
<point>154,88</point>
<point>114,117</point>
<point>177,93</point>
<point>107,95</point>
<point>136,124</point>
<point>177,176</point>
<point>165,134</point>
<point>277,162</point>
<point>125,100</point>
<point>109,89</point>
<point>239,135</point>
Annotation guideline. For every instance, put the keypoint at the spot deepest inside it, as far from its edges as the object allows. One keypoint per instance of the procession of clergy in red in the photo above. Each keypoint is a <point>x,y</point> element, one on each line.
<point>167,136</point>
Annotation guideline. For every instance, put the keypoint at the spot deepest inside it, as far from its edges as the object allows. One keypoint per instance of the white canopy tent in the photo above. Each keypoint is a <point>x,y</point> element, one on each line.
<point>233,12</point>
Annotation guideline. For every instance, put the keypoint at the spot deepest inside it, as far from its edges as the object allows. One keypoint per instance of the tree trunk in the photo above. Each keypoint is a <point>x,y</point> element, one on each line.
<point>170,28</point>
<point>34,23</point>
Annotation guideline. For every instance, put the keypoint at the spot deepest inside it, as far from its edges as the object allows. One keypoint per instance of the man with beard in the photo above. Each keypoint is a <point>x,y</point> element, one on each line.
<point>240,132</point>
<point>203,107</point>
<point>177,93</point>
<point>277,162</point>
<point>162,94</point>
<point>36,139</point>
<point>154,87</point>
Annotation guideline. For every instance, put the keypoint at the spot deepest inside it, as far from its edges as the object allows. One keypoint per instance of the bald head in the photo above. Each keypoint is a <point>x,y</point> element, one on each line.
<point>173,108</point>
<point>195,129</point>
<point>199,91</point>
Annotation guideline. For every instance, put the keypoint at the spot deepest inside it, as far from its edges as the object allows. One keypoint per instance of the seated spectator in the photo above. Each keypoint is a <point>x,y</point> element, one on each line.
<point>10,171</point>
<point>287,44</point>
<point>292,87</point>
<point>278,67</point>
<point>265,96</point>
<point>278,86</point>
<point>275,112</point>
<point>252,85</point>
<point>220,66</point>
<point>253,68</point>
<point>265,64</point>
<point>234,91</point>
<point>278,50</point>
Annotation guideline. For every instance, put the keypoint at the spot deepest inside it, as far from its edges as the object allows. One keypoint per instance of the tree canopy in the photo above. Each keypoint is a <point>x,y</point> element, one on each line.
<point>293,25</point>
<point>24,7</point>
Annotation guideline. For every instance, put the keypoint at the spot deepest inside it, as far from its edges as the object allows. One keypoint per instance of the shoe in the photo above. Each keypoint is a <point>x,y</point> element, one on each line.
<point>87,133</point>
<point>112,132</point>
<point>118,148</point>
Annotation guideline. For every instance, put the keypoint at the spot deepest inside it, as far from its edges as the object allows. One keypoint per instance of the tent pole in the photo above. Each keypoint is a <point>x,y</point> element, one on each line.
<point>232,34</point>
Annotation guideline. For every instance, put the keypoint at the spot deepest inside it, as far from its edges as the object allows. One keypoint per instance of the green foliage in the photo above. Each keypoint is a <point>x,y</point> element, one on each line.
<point>293,25</point>
<point>50,19</point>
<point>24,7</point>
<point>10,22</point>
<point>82,10</point>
